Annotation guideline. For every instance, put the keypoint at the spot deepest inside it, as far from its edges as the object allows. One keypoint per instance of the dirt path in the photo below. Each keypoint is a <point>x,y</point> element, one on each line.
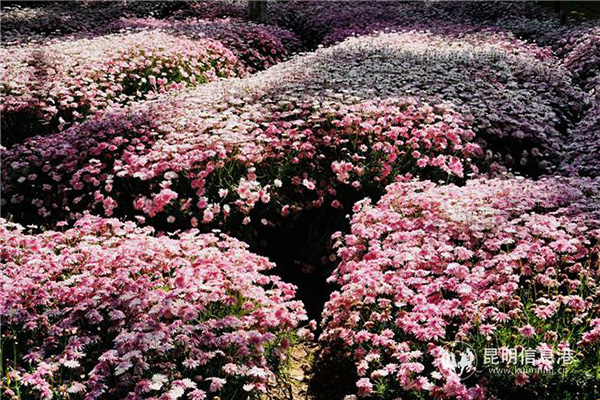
<point>295,384</point>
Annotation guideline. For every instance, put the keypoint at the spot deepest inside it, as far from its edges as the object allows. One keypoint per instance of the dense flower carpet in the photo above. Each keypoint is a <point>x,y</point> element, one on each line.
<point>188,197</point>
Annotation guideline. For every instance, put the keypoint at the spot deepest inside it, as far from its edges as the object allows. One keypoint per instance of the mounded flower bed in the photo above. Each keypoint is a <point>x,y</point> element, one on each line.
<point>521,99</point>
<point>35,22</point>
<point>257,46</point>
<point>23,24</point>
<point>44,88</point>
<point>499,264</point>
<point>209,153</point>
<point>520,105</point>
<point>579,47</point>
<point>105,116</point>
<point>177,165</point>
<point>319,22</point>
<point>108,310</point>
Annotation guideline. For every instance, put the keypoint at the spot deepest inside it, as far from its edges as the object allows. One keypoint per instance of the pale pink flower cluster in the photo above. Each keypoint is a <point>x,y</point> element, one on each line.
<point>64,82</point>
<point>510,262</point>
<point>180,165</point>
<point>256,46</point>
<point>108,310</point>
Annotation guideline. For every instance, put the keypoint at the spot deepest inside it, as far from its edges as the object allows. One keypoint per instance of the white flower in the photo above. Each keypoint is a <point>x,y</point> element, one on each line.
<point>176,392</point>
<point>157,381</point>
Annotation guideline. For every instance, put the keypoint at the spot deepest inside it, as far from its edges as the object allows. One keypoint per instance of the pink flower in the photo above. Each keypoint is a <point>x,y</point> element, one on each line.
<point>308,184</point>
<point>216,384</point>
<point>197,395</point>
<point>527,330</point>
<point>521,379</point>
<point>456,166</point>
<point>487,329</point>
<point>365,387</point>
<point>207,216</point>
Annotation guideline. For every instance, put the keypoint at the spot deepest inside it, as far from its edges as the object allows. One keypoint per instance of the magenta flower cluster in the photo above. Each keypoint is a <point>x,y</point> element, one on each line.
<point>579,48</point>
<point>170,161</point>
<point>495,263</point>
<point>109,310</point>
<point>64,82</point>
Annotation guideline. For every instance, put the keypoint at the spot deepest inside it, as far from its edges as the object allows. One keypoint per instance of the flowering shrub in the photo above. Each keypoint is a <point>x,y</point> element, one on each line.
<point>318,22</point>
<point>430,90</point>
<point>49,20</point>
<point>494,264</point>
<point>181,166</point>
<point>108,310</point>
<point>256,46</point>
<point>581,49</point>
<point>26,24</point>
<point>583,146</point>
<point>63,82</point>
<point>578,46</point>
<point>213,9</point>
<point>490,12</point>
<point>522,101</point>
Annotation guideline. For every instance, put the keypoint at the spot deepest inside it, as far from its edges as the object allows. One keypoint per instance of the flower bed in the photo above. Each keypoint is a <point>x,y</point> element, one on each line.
<point>210,139</point>
<point>64,82</point>
<point>515,90</point>
<point>583,146</point>
<point>580,49</point>
<point>27,24</point>
<point>523,102</point>
<point>318,22</point>
<point>40,22</point>
<point>179,165</point>
<point>496,264</point>
<point>256,46</point>
<point>108,310</point>
<point>213,9</point>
